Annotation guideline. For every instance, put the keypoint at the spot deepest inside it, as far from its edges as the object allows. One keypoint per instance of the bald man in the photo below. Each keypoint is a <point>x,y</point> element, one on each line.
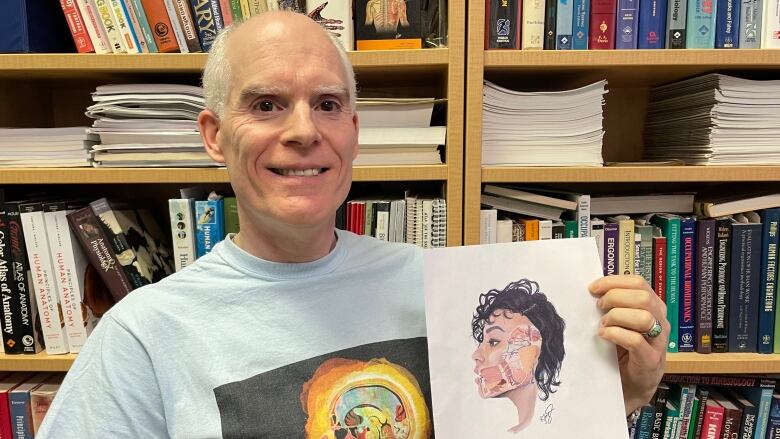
<point>290,328</point>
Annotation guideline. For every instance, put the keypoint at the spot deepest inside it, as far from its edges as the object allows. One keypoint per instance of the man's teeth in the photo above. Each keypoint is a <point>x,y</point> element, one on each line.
<point>299,172</point>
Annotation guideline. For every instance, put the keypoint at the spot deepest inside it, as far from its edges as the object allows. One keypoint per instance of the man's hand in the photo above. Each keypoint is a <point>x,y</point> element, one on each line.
<point>631,309</point>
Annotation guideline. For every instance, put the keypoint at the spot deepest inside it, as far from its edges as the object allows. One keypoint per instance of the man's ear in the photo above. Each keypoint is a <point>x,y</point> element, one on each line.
<point>208,124</point>
<point>357,136</point>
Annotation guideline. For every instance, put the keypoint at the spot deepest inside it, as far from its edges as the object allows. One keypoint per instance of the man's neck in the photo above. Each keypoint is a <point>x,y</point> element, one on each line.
<point>287,246</point>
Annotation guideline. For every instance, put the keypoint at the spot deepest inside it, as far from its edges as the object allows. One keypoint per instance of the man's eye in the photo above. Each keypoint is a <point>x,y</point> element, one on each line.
<point>264,105</point>
<point>330,105</point>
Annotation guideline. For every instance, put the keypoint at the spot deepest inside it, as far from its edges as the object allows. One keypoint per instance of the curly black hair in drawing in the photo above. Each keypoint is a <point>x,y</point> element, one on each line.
<point>525,298</point>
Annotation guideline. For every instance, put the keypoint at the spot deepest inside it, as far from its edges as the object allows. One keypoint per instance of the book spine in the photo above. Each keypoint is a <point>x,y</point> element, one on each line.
<point>583,216</point>
<point>12,342</point>
<point>188,26</point>
<point>644,424</point>
<point>68,258</point>
<point>502,24</point>
<point>531,230</point>
<point>368,219</point>
<point>626,251</point>
<point>21,414</point>
<point>764,397</point>
<point>550,19</point>
<point>748,422</point>
<point>95,30</point>
<point>672,281</point>
<point>627,24</point>
<point>597,231</point>
<point>694,415</point>
<point>42,275</point>
<point>637,268</point>
<point>235,11</point>
<point>135,26</point>
<point>97,247</point>
<point>602,25</point>
<point>659,266</point>
<point>705,263</point>
<point>750,20</point>
<point>659,420</point>
<point>713,421</point>
<point>675,24</point>
<point>727,24</point>
<point>231,216</point>
<point>611,248</point>
<point>210,224</point>
<point>107,19</point>
<point>206,22</point>
<point>182,231</point>
<point>427,223</point>
<point>5,417</point>
<point>160,23</point>
<point>76,24</point>
<point>24,313</point>
<point>770,35</point>
<point>652,21</point>
<point>645,233</point>
<point>256,7</point>
<point>137,10</point>
<point>564,25</point>
<point>722,281</point>
<point>219,17</point>
<point>745,274</point>
<point>125,254</point>
<point>731,418</point>
<point>178,31</point>
<point>770,219</point>
<point>704,395</point>
<point>533,25</point>
<point>700,32</point>
<point>580,29</point>
<point>687,396</point>
<point>122,21</point>
<point>383,221</point>
<point>687,321</point>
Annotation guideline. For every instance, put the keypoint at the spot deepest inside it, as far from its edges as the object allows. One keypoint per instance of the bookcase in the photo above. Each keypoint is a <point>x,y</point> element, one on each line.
<point>629,73</point>
<point>50,90</point>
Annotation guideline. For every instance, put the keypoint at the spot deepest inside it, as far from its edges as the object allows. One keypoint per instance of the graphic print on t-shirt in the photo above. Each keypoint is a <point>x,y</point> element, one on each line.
<point>379,390</point>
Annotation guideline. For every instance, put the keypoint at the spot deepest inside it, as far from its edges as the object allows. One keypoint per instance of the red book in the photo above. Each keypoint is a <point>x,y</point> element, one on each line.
<point>160,23</point>
<point>8,383</point>
<point>602,24</point>
<point>713,420</point>
<point>351,216</point>
<point>227,13</point>
<point>76,26</point>
<point>659,266</point>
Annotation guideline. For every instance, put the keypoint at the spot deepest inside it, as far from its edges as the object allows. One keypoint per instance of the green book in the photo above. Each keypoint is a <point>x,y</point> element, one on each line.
<point>670,228</point>
<point>694,416</point>
<point>231,215</point>
<point>570,229</point>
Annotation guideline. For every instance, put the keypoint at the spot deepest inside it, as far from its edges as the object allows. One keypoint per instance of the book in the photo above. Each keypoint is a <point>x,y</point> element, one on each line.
<point>109,24</point>
<point>744,288</point>
<point>182,216</point>
<point>42,277</point>
<point>8,383</point>
<point>182,26</point>
<point>136,10</point>
<point>77,26</point>
<point>700,24</point>
<point>705,266</point>
<point>611,248</point>
<point>34,26</point>
<point>205,22</point>
<point>96,245</point>
<point>210,223</point>
<point>675,24</point>
<point>770,29</point>
<point>727,24</point>
<point>627,24</point>
<point>749,413</point>
<point>97,34</point>
<point>533,197</point>
<point>687,280</point>
<point>388,25</point>
<point>160,22</point>
<point>659,266</point>
<point>644,253</point>
<point>633,204</point>
<point>550,22</point>
<point>602,26</point>
<point>533,25</point>
<point>564,25</point>
<point>108,215</point>
<point>770,219</point>
<point>336,18</point>
<point>135,26</point>
<point>521,207</point>
<point>502,24</point>
<point>713,420</point>
<point>732,414</point>
<point>581,24</point>
<point>721,284</point>
<point>773,421</point>
<point>597,231</point>
<point>625,244</point>
<point>488,226</point>
<point>670,228</point>
<point>652,25</point>
<point>659,422</point>
<point>750,21</point>
<point>41,398</point>
<point>122,22</point>
<point>21,409</point>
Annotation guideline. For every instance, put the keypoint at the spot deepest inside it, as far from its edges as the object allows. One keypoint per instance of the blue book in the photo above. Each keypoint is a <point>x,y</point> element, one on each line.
<point>773,423</point>
<point>580,24</point>
<point>727,24</point>
<point>138,9</point>
<point>743,291</point>
<point>670,228</point>
<point>700,29</point>
<point>761,396</point>
<point>687,280</point>
<point>563,26</point>
<point>770,220</point>
<point>206,23</point>
<point>20,407</point>
<point>34,26</point>
<point>644,425</point>
<point>627,24</point>
<point>130,26</point>
<point>209,224</point>
<point>652,24</point>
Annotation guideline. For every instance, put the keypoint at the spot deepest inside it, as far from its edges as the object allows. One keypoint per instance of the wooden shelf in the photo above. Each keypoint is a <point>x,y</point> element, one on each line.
<point>194,175</point>
<point>693,363</point>
<point>628,174</point>
<point>39,362</point>
<point>90,64</point>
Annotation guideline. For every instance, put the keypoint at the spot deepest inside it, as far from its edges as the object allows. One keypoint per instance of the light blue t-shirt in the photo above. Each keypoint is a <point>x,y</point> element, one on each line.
<point>235,346</point>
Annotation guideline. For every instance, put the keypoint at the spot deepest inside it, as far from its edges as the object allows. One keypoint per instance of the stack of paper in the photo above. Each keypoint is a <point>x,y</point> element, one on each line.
<point>715,120</point>
<point>559,128</point>
<point>148,125</point>
<point>397,131</point>
<point>45,147</point>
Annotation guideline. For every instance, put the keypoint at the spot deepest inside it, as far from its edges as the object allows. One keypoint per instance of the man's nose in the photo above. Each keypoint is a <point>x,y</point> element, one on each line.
<point>301,129</point>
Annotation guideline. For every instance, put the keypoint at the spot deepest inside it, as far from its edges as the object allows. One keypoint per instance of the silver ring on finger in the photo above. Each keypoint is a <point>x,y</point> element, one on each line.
<point>654,331</point>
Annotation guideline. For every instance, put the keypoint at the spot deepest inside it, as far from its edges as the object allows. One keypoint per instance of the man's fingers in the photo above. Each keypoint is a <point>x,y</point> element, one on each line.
<point>646,356</point>
<point>637,320</point>
<point>637,299</point>
<point>628,282</point>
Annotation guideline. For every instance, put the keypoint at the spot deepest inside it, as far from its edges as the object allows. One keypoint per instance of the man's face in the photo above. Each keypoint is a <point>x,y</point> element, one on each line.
<point>506,359</point>
<point>288,134</point>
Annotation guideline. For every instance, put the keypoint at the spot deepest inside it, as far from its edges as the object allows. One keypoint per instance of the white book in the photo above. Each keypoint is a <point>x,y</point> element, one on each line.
<point>70,265</point>
<point>178,32</point>
<point>335,17</point>
<point>42,278</point>
<point>488,219</point>
<point>597,232</point>
<point>398,217</point>
<point>503,231</point>
<point>411,221</point>
<point>138,32</point>
<point>108,21</point>
<point>770,38</point>
<point>427,223</point>
<point>403,136</point>
<point>439,222</point>
<point>533,25</point>
<point>182,231</point>
<point>123,24</point>
<point>94,29</point>
<point>545,229</point>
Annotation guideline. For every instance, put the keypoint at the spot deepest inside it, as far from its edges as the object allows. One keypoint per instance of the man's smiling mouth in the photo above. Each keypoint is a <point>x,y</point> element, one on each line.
<point>312,172</point>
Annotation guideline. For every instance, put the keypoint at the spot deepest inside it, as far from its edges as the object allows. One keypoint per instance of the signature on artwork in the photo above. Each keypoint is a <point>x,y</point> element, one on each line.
<point>547,415</point>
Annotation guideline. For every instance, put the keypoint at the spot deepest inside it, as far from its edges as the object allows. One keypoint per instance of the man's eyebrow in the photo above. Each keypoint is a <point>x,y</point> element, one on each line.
<point>494,328</point>
<point>336,90</point>
<point>253,92</point>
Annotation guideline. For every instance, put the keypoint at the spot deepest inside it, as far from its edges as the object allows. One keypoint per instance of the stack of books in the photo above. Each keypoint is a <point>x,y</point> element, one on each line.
<point>715,120</point>
<point>45,147</point>
<point>558,128</point>
<point>397,131</point>
<point>147,125</point>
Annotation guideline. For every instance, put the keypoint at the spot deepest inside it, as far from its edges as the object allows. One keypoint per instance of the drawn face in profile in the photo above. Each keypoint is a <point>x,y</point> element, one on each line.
<point>507,356</point>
